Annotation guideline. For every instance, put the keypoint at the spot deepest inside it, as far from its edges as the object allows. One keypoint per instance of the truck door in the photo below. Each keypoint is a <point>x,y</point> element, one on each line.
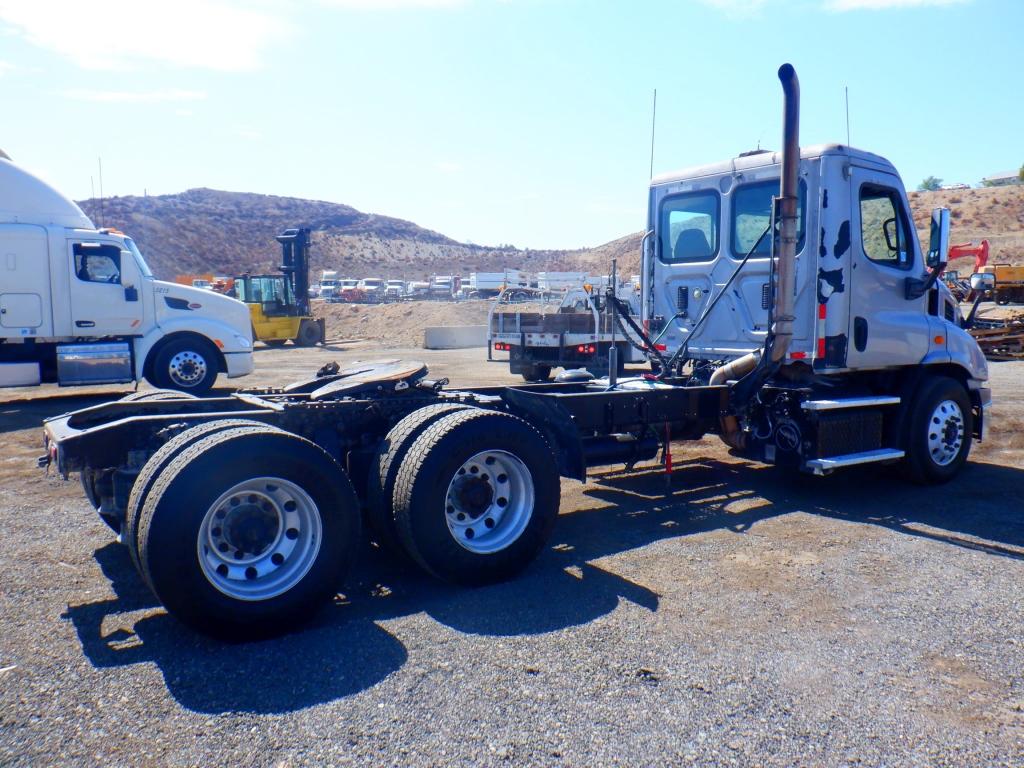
<point>105,286</point>
<point>885,329</point>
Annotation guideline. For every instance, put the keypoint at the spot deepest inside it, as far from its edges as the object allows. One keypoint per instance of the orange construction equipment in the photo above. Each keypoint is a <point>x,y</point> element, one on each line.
<point>979,252</point>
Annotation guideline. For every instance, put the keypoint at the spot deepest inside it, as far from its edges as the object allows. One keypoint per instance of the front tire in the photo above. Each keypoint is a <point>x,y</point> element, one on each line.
<point>476,497</point>
<point>309,334</point>
<point>940,426</point>
<point>246,533</point>
<point>187,364</point>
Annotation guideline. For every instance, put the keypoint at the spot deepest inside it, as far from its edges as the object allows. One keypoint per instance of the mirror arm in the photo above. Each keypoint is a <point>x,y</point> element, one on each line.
<point>915,288</point>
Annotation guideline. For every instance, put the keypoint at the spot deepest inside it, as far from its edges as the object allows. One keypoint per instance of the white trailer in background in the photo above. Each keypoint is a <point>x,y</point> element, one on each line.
<point>560,281</point>
<point>79,305</point>
<point>482,285</point>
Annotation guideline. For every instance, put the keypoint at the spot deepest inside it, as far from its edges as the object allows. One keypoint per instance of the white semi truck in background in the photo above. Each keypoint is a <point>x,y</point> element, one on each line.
<point>79,305</point>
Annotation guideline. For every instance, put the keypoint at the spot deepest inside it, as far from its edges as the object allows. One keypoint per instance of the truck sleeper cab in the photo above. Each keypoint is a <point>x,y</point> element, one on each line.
<point>79,305</point>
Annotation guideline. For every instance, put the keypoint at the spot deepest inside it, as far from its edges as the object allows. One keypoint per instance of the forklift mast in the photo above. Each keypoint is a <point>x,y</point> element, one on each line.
<point>295,265</point>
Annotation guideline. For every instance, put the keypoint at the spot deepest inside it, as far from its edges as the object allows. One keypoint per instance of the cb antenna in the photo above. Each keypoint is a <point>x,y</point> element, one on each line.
<point>654,117</point>
<point>846,91</point>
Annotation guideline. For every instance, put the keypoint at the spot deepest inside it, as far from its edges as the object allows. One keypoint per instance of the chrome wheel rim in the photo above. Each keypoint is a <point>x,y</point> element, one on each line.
<point>489,502</point>
<point>259,539</point>
<point>187,368</point>
<point>945,433</point>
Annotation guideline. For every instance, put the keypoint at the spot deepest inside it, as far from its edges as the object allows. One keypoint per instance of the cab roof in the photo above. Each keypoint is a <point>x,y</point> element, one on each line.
<point>27,199</point>
<point>765,159</point>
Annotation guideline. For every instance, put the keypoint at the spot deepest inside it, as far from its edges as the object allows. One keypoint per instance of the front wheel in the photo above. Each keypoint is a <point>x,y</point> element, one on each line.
<point>187,364</point>
<point>476,497</point>
<point>940,426</point>
<point>309,334</point>
<point>246,533</point>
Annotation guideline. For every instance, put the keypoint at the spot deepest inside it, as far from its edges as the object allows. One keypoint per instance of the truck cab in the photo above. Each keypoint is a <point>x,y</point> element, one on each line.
<point>868,315</point>
<point>79,305</point>
<point>857,256</point>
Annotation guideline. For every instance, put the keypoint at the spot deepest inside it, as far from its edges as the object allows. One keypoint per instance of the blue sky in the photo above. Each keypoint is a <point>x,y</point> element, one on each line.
<point>495,121</point>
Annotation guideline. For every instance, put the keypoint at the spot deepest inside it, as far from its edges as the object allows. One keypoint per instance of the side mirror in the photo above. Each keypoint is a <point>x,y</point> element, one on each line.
<point>982,282</point>
<point>938,242</point>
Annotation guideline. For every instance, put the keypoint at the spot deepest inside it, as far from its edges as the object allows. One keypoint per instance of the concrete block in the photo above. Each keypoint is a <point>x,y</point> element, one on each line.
<point>454,336</point>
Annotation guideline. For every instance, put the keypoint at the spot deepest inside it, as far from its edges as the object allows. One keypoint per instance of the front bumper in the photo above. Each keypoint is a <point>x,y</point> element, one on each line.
<point>239,363</point>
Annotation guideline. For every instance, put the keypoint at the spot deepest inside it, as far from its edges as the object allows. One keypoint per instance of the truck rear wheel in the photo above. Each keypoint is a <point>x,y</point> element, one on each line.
<point>537,373</point>
<point>309,334</point>
<point>476,497</point>
<point>380,486</point>
<point>247,532</point>
<point>940,426</point>
<point>157,463</point>
<point>186,364</point>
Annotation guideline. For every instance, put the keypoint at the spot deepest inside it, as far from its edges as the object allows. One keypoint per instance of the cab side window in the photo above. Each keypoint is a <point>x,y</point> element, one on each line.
<point>884,231</point>
<point>689,227</point>
<point>96,263</point>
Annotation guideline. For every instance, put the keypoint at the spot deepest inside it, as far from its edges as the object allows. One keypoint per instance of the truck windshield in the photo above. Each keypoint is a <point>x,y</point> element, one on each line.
<point>138,257</point>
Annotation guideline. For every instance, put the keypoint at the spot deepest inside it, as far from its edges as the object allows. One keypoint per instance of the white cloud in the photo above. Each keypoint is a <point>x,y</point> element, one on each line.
<point>249,134</point>
<point>120,34</point>
<point>878,5</point>
<point>5,66</point>
<point>446,166</point>
<point>134,97</point>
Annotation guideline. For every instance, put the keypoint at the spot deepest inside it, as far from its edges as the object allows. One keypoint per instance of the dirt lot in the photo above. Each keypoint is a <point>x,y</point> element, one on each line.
<point>727,615</point>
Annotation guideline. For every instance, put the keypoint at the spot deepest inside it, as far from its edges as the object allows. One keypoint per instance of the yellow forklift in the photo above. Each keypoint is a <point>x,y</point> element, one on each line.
<point>279,304</point>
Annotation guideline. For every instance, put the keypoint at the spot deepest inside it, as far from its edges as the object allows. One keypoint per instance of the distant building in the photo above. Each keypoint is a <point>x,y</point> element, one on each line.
<point>1002,179</point>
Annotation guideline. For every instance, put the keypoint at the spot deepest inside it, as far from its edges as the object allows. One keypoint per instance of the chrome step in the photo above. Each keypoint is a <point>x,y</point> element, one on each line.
<point>849,402</point>
<point>824,466</point>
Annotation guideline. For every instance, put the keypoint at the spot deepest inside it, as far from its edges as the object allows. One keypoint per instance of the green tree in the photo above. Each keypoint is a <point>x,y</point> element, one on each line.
<point>929,185</point>
<point>1020,173</point>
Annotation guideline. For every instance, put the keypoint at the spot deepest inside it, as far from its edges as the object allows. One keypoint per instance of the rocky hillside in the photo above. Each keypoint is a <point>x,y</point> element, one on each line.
<point>206,230</point>
<point>995,213</point>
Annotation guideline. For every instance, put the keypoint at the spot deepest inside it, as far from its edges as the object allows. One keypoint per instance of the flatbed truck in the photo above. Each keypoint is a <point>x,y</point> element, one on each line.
<point>243,513</point>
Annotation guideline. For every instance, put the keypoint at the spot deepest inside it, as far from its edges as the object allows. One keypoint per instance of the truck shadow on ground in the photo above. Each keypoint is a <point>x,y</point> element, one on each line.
<point>345,649</point>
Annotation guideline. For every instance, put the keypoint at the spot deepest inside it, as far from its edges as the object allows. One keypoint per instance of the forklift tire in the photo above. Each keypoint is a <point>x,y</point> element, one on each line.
<point>157,394</point>
<point>157,463</point>
<point>309,334</point>
<point>537,373</point>
<point>939,430</point>
<point>248,532</point>
<point>380,485</point>
<point>186,364</point>
<point>476,497</point>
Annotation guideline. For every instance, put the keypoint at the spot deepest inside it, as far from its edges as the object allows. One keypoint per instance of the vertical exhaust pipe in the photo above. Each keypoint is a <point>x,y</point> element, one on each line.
<point>785,267</point>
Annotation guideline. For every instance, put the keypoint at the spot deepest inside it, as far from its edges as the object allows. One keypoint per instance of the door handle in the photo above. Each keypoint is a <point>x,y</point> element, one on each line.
<point>85,323</point>
<point>131,293</point>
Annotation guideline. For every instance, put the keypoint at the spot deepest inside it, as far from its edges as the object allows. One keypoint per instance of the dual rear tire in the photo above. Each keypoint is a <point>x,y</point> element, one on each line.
<point>243,530</point>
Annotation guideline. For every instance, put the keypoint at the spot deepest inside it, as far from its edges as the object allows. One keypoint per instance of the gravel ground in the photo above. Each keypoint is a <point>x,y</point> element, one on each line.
<point>730,615</point>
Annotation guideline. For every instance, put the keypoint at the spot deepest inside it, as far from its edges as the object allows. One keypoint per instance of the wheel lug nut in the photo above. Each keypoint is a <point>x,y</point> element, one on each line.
<point>277,558</point>
<point>250,573</point>
<point>223,547</point>
<point>222,570</point>
<point>489,522</point>
<point>502,501</point>
<point>292,533</point>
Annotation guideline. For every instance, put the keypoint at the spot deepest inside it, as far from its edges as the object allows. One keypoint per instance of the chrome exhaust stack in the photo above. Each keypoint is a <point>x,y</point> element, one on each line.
<point>785,266</point>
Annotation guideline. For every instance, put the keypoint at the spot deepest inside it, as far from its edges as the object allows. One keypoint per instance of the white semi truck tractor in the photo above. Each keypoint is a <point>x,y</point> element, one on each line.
<point>79,305</point>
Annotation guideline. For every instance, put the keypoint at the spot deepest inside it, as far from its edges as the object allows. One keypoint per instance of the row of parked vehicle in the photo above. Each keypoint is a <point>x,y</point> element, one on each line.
<point>516,284</point>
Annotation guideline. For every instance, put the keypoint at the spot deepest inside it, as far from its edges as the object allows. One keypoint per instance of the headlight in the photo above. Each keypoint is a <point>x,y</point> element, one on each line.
<point>243,342</point>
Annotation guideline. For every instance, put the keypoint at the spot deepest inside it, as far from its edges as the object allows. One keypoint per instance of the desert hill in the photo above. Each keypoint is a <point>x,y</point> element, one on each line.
<point>206,230</point>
